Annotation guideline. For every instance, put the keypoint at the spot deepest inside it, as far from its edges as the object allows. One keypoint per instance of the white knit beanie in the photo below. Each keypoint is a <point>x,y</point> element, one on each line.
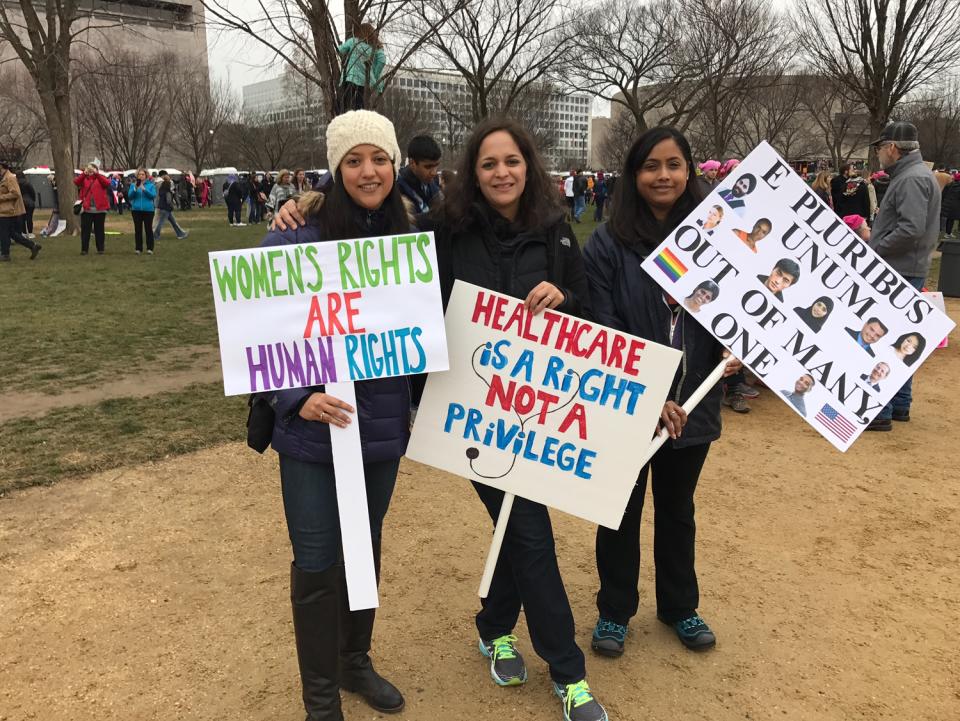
<point>360,127</point>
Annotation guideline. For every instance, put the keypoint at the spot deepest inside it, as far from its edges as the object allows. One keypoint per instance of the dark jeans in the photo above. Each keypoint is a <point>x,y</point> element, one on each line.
<point>675,474</point>
<point>903,398</point>
<point>598,212</point>
<point>352,97</point>
<point>10,229</point>
<point>527,575</point>
<point>28,221</point>
<point>310,504</point>
<point>233,211</point>
<point>948,228</point>
<point>88,222</point>
<point>143,224</point>
<point>253,216</point>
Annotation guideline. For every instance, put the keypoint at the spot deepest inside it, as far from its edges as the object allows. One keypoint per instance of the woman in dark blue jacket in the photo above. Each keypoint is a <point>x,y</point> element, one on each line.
<point>333,643</point>
<point>658,189</point>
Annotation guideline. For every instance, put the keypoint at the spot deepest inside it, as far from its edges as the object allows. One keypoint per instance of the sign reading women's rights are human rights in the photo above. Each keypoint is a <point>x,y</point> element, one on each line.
<point>805,303</point>
<point>339,311</point>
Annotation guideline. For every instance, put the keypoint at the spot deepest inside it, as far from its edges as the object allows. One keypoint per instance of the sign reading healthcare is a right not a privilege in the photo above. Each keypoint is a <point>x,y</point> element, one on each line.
<point>806,304</point>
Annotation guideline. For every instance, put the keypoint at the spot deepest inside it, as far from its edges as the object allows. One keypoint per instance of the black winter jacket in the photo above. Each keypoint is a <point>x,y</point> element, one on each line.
<point>488,251</point>
<point>624,297</point>
<point>950,202</point>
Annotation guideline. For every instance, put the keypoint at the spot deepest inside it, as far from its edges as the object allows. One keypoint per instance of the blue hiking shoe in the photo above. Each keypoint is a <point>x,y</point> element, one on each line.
<point>608,638</point>
<point>579,703</point>
<point>506,664</point>
<point>694,633</point>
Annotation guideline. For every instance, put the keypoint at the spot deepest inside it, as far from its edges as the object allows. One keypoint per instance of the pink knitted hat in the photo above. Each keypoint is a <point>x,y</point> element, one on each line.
<point>708,165</point>
<point>854,221</point>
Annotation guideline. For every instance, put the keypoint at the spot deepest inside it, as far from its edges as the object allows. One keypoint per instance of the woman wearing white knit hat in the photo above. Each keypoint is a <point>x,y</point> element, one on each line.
<point>333,643</point>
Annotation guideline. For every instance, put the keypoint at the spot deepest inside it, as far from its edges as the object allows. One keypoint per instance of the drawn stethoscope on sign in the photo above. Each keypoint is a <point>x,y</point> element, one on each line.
<point>473,452</point>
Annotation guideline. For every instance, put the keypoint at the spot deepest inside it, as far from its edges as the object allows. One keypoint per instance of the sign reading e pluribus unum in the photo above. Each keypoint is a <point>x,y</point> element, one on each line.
<point>339,311</point>
<point>768,268</point>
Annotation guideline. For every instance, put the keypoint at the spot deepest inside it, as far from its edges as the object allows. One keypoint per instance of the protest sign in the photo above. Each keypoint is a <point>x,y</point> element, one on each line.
<point>777,277</point>
<point>300,315</point>
<point>329,314</point>
<point>550,407</point>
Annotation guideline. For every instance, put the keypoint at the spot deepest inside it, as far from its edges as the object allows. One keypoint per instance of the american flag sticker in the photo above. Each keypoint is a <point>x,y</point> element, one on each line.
<point>839,426</point>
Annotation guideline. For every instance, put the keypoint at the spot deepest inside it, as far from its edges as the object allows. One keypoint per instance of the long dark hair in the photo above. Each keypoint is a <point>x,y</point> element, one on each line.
<point>538,203</point>
<point>340,217</point>
<point>913,357</point>
<point>631,220</point>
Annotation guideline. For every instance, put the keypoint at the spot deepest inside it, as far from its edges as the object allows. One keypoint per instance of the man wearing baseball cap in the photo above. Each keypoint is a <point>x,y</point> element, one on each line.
<point>905,231</point>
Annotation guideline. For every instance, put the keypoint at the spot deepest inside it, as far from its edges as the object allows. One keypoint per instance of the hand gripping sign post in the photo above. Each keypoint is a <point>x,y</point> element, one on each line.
<point>806,304</point>
<point>547,407</point>
<point>331,313</point>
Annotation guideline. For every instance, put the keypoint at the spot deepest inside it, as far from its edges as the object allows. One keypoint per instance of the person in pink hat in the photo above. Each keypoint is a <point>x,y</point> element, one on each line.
<point>858,224</point>
<point>709,179</point>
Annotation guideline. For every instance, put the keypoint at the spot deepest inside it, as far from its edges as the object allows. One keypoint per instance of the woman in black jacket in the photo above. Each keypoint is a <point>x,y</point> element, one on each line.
<point>658,190</point>
<point>502,229</point>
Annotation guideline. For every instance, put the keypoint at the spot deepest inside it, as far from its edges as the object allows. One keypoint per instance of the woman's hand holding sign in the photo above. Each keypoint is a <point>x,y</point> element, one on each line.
<point>673,418</point>
<point>733,365</point>
<point>326,409</point>
<point>545,295</point>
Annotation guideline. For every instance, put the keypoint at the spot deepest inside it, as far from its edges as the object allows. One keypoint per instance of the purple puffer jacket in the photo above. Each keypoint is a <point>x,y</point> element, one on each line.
<point>383,405</point>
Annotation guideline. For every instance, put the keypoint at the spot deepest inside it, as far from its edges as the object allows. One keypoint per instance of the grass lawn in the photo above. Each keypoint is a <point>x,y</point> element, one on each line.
<point>72,320</point>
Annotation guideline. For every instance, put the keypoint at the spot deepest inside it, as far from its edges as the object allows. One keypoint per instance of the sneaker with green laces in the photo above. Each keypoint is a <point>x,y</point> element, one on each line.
<point>506,664</point>
<point>579,703</point>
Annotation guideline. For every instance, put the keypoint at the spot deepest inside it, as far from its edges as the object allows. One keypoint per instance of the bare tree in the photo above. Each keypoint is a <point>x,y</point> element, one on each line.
<point>628,51</point>
<point>306,36</point>
<point>23,128</point>
<point>42,34</point>
<point>881,50</point>
<point>503,49</point>
<point>199,112</point>
<point>937,117</point>
<point>620,135</point>
<point>127,105</point>
<point>263,144</point>
<point>736,46</point>
<point>409,118</point>
<point>842,122</point>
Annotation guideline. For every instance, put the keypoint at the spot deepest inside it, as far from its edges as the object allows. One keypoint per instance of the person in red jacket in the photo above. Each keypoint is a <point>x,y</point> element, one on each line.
<point>93,193</point>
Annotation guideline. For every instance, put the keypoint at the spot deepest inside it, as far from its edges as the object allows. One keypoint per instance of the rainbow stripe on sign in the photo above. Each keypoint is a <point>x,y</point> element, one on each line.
<point>670,264</point>
<point>839,426</point>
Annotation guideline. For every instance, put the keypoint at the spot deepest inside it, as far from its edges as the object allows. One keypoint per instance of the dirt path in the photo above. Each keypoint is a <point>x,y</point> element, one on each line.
<point>203,366</point>
<point>160,592</point>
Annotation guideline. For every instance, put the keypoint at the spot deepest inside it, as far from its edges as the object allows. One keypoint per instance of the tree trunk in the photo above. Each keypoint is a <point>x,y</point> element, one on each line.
<point>56,111</point>
<point>877,123</point>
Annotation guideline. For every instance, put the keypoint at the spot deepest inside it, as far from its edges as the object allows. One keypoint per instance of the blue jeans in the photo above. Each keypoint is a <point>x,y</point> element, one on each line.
<point>165,215</point>
<point>904,397</point>
<point>310,505</point>
<point>579,204</point>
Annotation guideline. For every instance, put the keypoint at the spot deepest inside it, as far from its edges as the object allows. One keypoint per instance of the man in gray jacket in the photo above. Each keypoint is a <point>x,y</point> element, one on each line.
<point>905,231</point>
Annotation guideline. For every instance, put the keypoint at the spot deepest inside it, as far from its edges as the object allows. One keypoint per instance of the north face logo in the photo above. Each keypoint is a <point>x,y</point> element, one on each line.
<point>565,242</point>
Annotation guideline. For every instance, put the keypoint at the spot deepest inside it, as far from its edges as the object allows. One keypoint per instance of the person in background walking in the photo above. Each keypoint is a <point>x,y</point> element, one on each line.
<point>233,196</point>
<point>905,232</point>
<point>363,62</point>
<point>253,214</point>
<point>142,194</point>
<point>11,215</point>
<point>29,204</point>
<point>568,193</point>
<point>94,195</point>
<point>579,195</point>
<point>599,196</point>
<point>165,208</point>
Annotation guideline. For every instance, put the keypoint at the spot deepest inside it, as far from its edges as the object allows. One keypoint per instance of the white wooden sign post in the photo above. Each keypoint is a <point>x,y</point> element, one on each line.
<point>331,314</point>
